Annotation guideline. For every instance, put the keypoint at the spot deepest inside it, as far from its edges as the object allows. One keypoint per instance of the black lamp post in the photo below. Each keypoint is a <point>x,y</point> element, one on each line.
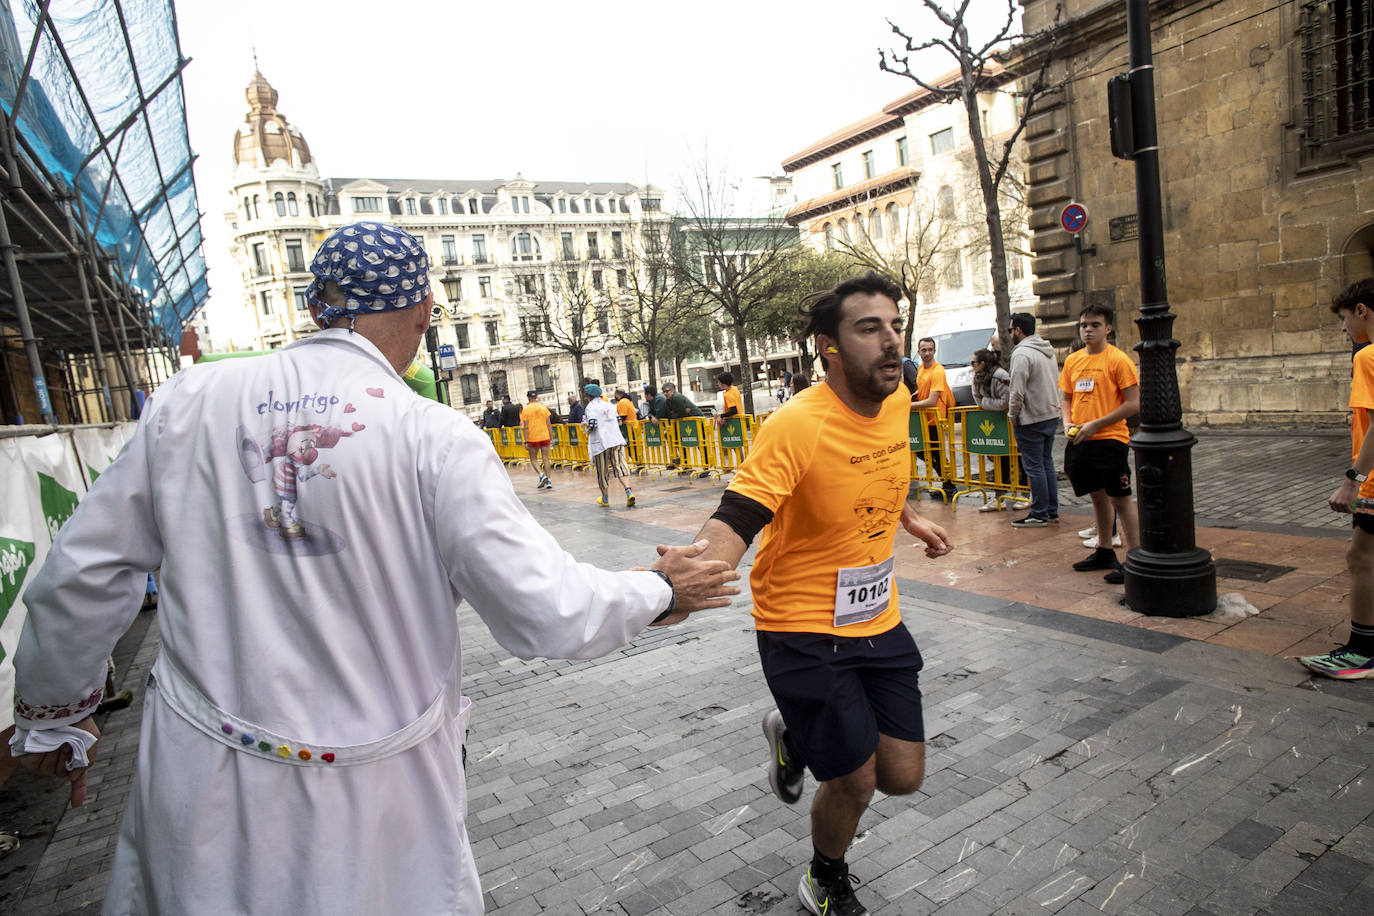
<point>1168,574</point>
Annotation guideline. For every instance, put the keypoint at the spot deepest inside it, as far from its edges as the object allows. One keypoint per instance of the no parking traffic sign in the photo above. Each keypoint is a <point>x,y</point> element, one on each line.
<point>1074,218</point>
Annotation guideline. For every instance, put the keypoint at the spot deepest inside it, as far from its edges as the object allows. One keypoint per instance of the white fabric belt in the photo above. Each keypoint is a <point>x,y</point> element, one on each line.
<point>193,706</point>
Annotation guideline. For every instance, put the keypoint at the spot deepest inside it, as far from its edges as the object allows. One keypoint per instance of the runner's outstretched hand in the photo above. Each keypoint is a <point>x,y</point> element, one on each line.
<point>936,540</point>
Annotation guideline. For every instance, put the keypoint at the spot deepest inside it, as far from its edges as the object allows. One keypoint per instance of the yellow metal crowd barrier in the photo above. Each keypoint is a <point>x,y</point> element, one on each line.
<point>970,451</point>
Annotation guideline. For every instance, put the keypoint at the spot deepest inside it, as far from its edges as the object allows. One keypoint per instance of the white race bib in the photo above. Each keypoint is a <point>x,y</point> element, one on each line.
<point>1083,384</point>
<point>862,592</point>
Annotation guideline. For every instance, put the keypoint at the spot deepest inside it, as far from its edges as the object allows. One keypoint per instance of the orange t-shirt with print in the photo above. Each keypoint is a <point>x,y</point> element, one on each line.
<point>933,379</point>
<point>733,399</point>
<point>536,416</point>
<point>1095,383</point>
<point>836,483</point>
<point>1361,403</point>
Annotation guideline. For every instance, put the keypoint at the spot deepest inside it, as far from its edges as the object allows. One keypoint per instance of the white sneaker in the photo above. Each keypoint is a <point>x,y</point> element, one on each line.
<point>1092,541</point>
<point>1088,532</point>
<point>990,507</point>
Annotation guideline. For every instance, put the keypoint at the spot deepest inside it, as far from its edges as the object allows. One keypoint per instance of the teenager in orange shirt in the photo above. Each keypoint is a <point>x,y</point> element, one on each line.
<point>933,392</point>
<point>1099,388</point>
<point>733,407</point>
<point>826,481</point>
<point>1354,305</point>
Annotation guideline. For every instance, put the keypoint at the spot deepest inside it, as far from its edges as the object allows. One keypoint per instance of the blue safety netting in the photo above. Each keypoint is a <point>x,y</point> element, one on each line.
<point>104,111</point>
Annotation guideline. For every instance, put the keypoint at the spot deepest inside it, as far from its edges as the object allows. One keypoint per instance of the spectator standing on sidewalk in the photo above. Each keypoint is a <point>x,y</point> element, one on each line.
<point>575,411</point>
<point>510,412</point>
<point>1354,305</point>
<point>991,390</point>
<point>826,482</point>
<point>1099,388</point>
<point>933,393</point>
<point>1033,411</point>
<point>491,417</point>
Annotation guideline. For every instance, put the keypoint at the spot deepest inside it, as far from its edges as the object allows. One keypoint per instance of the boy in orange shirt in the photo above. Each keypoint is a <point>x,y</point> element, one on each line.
<point>1354,305</point>
<point>1099,389</point>
<point>826,481</point>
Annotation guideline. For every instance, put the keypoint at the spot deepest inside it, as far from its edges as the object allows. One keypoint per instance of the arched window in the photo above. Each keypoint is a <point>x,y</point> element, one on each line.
<point>894,221</point>
<point>247,209</point>
<point>256,214</point>
<point>499,388</point>
<point>844,229</point>
<point>875,224</point>
<point>310,202</point>
<point>280,201</point>
<point>829,231</point>
<point>946,201</point>
<point>291,204</point>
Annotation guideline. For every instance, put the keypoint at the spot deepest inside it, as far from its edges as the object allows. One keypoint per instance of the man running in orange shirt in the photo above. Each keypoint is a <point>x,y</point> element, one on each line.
<point>933,392</point>
<point>1354,305</point>
<point>534,417</point>
<point>826,481</point>
<point>1099,388</point>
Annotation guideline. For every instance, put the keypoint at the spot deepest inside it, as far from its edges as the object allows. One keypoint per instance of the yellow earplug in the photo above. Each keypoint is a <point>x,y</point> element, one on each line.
<point>831,350</point>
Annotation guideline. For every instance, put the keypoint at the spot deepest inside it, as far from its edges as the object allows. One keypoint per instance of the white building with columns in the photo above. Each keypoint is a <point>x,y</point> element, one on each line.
<point>495,245</point>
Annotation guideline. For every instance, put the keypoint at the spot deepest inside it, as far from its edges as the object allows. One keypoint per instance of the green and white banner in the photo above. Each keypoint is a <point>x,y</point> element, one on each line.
<point>42,478</point>
<point>988,432</point>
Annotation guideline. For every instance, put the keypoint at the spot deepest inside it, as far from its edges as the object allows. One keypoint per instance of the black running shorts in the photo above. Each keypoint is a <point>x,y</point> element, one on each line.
<point>1099,464</point>
<point>836,693</point>
<point>1361,520</point>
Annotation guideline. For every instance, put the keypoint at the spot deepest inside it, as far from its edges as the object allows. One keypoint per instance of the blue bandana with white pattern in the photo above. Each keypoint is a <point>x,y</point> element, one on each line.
<point>379,268</point>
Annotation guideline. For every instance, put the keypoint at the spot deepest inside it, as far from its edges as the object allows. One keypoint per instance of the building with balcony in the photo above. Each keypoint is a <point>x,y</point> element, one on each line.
<point>898,189</point>
<point>516,263</point>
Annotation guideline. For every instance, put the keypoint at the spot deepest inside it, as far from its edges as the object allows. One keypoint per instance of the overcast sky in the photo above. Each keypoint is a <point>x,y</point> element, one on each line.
<point>620,90</point>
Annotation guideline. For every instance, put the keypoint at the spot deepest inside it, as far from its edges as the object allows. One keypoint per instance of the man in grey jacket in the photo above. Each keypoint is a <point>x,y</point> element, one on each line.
<point>1033,410</point>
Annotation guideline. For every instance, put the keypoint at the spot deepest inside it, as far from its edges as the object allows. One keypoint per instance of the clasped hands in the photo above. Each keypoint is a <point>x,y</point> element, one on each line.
<point>697,584</point>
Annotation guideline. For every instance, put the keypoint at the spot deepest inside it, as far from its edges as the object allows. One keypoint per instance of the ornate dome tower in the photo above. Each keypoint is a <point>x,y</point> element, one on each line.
<point>266,136</point>
<point>275,214</point>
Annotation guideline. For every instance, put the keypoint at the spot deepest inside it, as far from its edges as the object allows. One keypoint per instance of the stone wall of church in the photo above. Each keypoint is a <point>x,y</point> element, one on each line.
<point>1257,237</point>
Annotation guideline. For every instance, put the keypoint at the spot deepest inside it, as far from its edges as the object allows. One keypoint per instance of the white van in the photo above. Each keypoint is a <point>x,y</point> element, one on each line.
<point>954,348</point>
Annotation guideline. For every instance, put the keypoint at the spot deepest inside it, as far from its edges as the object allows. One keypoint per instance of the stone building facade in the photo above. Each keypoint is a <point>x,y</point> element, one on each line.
<point>497,247</point>
<point>900,181</point>
<point>1267,174</point>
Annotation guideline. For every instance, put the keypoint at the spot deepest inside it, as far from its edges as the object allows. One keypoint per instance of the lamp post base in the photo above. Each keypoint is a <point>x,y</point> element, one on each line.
<point>1180,584</point>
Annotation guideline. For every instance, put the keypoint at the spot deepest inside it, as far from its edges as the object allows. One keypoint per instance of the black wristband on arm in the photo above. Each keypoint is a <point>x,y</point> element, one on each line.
<point>746,517</point>
<point>672,597</point>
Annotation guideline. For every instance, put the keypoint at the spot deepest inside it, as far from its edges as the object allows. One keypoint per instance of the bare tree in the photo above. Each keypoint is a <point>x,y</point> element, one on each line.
<point>651,304</point>
<point>977,62</point>
<point>909,253</point>
<point>729,261</point>
<point>566,307</point>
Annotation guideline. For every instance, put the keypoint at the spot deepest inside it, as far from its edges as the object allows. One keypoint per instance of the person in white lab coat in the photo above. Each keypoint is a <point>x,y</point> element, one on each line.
<point>317,525</point>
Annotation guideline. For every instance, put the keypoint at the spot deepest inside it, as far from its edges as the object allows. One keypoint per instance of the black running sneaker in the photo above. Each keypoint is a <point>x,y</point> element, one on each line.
<point>1101,558</point>
<point>785,769</point>
<point>831,898</point>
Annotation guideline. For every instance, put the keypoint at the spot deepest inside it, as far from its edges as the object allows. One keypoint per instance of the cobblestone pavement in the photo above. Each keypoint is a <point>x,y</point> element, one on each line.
<point>1076,764</point>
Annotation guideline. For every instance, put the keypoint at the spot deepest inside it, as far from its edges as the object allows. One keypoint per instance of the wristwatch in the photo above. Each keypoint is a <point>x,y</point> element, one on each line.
<point>1352,474</point>
<point>672,598</point>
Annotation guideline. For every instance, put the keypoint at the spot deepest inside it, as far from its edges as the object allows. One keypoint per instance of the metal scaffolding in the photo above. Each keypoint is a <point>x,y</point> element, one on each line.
<point>99,225</point>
